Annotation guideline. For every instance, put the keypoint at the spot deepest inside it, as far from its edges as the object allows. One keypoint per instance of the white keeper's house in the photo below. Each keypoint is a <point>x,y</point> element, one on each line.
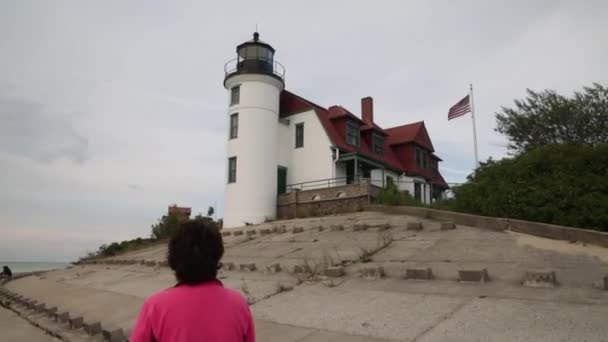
<point>278,141</point>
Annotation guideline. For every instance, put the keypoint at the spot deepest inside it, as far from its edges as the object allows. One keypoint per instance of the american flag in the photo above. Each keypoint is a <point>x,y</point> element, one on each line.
<point>461,108</point>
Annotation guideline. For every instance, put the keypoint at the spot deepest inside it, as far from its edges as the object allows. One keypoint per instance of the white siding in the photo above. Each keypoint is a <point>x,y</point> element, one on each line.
<point>311,162</point>
<point>252,198</point>
<point>376,177</point>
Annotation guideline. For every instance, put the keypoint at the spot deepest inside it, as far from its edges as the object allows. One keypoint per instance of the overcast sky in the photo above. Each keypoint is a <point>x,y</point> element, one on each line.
<point>111,110</point>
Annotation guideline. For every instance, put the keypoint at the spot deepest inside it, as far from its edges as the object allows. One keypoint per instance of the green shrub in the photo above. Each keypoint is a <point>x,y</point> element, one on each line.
<point>390,195</point>
<point>558,184</point>
<point>167,225</point>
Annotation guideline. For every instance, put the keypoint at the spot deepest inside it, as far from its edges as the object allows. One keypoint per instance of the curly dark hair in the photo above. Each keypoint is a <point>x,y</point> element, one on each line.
<point>195,251</point>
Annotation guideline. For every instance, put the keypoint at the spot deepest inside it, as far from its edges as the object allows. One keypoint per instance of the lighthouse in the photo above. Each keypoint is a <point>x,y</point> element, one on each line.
<point>254,81</point>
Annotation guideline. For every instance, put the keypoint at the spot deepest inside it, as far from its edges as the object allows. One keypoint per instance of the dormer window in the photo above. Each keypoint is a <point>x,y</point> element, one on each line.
<point>421,158</point>
<point>378,141</point>
<point>352,133</point>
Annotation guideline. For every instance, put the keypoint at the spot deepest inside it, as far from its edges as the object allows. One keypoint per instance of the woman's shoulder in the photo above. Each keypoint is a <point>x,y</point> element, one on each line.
<point>214,289</point>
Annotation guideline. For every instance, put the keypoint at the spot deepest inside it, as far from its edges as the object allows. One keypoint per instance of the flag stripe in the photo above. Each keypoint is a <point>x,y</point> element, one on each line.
<point>460,108</point>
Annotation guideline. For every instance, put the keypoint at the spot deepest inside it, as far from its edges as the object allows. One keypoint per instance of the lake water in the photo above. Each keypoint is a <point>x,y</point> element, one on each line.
<point>18,267</point>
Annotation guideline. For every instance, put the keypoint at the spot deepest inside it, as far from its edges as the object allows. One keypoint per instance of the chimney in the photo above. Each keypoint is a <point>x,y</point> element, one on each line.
<point>367,110</point>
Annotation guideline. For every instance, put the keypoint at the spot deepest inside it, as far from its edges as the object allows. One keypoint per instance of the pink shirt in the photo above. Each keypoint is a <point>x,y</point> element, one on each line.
<point>204,312</point>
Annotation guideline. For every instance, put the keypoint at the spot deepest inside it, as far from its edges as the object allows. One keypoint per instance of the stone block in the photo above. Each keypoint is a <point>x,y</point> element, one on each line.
<point>321,228</point>
<point>92,328</point>
<point>142,262</point>
<point>474,276</point>
<point>151,263</point>
<point>336,228</point>
<point>116,335</point>
<point>51,311</point>
<point>359,227</point>
<point>374,272</point>
<point>31,304</point>
<point>247,267</point>
<point>297,230</point>
<point>40,307</point>
<point>281,230</point>
<point>226,233</point>
<point>274,268</point>
<point>419,273</point>
<point>447,225</point>
<point>76,322</point>
<point>251,232</point>
<point>540,279</point>
<point>228,266</point>
<point>164,263</point>
<point>238,232</point>
<point>62,317</point>
<point>606,283</point>
<point>265,231</point>
<point>302,269</point>
<point>417,226</point>
<point>334,271</point>
<point>380,228</point>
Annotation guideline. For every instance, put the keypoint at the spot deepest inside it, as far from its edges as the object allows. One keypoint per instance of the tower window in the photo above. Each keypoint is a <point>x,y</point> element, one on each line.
<point>352,133</point>
<point>232,170</point>
<point>300,135</point>
<point>378,144</point>
<point>235,95</point>
<point>234,126</point>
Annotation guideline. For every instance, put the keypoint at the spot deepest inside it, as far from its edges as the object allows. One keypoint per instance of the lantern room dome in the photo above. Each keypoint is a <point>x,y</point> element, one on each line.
<point>254,57</point>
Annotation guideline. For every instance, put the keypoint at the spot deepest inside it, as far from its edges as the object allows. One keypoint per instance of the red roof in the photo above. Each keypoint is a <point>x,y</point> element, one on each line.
<point>174,209</point>
<point>332,120</point>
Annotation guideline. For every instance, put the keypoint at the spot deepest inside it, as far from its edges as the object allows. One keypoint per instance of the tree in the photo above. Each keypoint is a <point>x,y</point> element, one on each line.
<point>167,225</point>
<point>559,184</point>
<point>210,211</point>
<point>545,118</point>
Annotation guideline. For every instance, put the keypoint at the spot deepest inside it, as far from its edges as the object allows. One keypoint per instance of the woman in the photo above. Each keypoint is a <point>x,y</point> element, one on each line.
<point>6,272</point>
<point>198,308</point>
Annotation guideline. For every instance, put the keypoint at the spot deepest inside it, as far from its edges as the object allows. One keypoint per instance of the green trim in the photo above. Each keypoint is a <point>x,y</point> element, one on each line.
<point>353,155</point>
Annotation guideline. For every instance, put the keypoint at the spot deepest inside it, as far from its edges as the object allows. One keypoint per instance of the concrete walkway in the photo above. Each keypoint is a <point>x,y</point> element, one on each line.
<point>16,329</point>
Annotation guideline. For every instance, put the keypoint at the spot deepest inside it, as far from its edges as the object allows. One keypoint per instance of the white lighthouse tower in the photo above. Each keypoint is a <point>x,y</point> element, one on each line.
<point>254,81</point>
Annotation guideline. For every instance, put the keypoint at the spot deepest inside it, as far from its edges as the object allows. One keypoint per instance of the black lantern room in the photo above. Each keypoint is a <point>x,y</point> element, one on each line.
<point>254,57</point>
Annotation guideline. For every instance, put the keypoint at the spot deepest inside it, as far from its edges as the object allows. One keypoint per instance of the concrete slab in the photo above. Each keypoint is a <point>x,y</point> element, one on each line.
<point>16,329</point>
<point>521,321</point>
<point>368,313</point>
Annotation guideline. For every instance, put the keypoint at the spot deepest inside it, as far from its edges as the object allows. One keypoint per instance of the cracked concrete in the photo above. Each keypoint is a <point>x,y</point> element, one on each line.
<point>309,307</point>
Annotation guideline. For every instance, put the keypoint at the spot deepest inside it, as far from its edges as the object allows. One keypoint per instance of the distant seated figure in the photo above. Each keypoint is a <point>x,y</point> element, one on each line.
<point>6,272</point>
<point>198,308</point>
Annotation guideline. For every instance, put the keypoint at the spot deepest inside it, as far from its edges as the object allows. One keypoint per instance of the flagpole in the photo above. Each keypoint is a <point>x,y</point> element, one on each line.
<point>474,128</point>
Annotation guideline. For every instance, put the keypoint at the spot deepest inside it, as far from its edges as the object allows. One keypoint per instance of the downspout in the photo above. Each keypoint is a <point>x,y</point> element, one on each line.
<point>336,157</point>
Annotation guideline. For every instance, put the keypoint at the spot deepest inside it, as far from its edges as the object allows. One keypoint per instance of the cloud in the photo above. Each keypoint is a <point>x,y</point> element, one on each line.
<point>26,129</point>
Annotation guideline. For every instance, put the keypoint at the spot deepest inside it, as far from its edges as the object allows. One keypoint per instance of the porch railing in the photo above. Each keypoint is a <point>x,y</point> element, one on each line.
<point>323,183</point>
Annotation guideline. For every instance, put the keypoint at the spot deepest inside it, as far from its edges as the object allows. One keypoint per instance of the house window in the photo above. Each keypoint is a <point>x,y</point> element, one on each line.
<point>435,166</point>
<point>300,135</point>
<point>234,125</point>
<point>421,158</point>
<point>378,144</point>
<point>352,133</point>
<point>235,95</point>
<point>389,181</point>
<point>425,160</point>
<point>232,170</point>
